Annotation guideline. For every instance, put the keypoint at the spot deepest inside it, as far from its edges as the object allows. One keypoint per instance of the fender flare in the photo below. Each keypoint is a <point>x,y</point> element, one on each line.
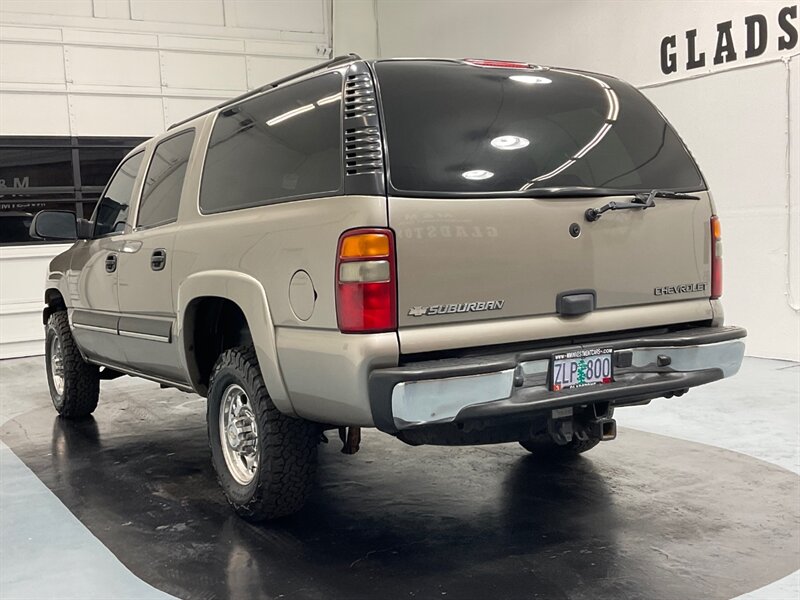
<point>55,282</point>
<point>249,295</point>
<point>50,289</point>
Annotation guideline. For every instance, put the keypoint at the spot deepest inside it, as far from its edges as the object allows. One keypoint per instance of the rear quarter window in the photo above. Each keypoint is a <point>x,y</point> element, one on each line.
<point>285,144</point>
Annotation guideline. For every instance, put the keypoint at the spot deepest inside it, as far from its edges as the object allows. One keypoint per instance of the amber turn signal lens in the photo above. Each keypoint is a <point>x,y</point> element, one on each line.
<point>366,287</point>
<point>716,228</point>
<point>365,245</point>
<point>716,258</point>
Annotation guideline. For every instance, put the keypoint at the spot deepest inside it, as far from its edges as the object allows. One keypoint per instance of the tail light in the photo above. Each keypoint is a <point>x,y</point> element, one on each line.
<point>366,287</point>
<point>716,257</point>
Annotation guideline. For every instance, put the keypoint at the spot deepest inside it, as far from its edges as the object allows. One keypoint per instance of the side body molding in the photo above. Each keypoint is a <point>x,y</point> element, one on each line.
<point>248,293</point>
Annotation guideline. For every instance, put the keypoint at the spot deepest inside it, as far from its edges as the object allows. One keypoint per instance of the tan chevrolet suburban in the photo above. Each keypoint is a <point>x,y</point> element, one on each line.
<point>452,251</point>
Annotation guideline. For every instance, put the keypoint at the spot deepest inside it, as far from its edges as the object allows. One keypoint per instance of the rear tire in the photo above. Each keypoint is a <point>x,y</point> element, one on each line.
<point>74,384</point>
<point>550,450</point>
<point>265,461</point>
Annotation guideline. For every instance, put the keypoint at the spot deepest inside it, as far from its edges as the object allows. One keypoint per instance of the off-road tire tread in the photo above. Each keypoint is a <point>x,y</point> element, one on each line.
<point>81,379</point>
<point>288,458</point>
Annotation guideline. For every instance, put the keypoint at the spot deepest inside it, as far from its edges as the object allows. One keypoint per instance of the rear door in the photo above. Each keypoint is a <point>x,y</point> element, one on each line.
<point>147,311</point>
<point>491,172</point>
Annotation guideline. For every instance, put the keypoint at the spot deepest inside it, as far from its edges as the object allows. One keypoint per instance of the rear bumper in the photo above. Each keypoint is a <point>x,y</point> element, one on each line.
<point>516,384</point>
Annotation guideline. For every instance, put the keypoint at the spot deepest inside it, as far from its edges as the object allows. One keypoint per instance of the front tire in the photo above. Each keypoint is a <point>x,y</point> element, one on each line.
<point>74,383</point>
<point>265,461</point>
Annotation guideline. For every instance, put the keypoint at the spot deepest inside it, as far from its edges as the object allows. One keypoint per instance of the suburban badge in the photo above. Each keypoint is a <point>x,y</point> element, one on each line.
<point>447,309</point>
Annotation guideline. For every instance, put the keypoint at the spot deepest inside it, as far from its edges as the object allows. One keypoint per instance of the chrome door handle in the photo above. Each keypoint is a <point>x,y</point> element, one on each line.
<point>111,263</point>
<point>158,260</point>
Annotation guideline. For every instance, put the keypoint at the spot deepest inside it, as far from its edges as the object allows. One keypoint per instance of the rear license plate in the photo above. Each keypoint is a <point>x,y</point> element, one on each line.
<point>581,368</point>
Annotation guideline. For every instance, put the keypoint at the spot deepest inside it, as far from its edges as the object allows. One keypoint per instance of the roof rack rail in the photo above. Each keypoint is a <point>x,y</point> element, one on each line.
<point>325,65</point>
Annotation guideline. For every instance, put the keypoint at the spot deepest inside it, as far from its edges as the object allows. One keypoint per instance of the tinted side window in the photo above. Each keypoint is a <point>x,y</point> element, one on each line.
<point>284,144</point>
<point>161,194</point>
<point>111,213</point>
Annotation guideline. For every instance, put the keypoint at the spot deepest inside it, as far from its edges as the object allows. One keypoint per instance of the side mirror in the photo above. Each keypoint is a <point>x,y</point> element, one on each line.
<point>54,225</point>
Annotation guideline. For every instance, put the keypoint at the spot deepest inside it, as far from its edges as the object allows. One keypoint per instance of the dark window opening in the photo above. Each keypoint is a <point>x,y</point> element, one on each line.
<point>285,144</point>
<point>461,129</point>
<point>97,164</point>
<point>16,215</point>
<point>111,214</point>
<point>53,173</point>
<point>162,187</point>
<point>35,167</point>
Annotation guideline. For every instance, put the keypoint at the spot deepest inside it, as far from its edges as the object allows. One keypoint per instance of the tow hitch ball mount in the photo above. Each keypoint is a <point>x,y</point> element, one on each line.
<point>564,425</point>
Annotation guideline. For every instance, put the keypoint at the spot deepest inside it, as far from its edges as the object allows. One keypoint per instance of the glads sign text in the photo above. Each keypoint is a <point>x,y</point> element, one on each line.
<point>759,34</point>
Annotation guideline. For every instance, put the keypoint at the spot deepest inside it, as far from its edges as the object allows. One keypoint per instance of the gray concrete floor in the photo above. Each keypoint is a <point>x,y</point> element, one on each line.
<point>757,413</point>
<point>46,552</point>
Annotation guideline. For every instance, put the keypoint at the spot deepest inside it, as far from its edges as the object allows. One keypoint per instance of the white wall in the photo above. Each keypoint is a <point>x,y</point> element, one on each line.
<point>130,68</point>
<point>737,131</point>
<point>740,118</point>
<point>355,28</point>
<point>22,274</point>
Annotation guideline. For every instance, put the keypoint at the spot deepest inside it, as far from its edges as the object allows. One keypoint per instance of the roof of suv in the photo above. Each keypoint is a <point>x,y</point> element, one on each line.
<point>344,59</point>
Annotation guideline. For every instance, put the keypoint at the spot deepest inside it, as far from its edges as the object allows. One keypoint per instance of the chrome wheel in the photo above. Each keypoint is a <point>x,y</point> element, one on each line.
<point>57,365</point>
<point>239,434</point>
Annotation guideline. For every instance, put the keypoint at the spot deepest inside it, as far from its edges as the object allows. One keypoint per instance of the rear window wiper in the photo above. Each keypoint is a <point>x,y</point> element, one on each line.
<point>643,200</point>
<point>666,194</point>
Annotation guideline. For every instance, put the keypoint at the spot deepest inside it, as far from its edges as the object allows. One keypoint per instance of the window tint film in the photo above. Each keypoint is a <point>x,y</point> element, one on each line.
<point>457,128</point>
<point>162,186</point>
<point>111,213</point>
<point>284,144</point>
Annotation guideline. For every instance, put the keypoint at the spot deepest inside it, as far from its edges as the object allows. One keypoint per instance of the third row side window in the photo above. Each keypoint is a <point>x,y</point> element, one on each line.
<point>283,144</point>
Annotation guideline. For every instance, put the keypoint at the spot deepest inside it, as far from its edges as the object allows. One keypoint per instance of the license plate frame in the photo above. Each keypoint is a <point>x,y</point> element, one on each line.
<point>578,368</point>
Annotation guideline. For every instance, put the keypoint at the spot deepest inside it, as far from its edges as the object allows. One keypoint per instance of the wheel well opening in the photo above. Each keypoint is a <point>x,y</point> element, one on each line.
<point>54,302</point>
<point>212,326</point>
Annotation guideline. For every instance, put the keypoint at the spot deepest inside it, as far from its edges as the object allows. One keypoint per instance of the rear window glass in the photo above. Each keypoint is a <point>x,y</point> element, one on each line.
<point>284,144</point>
<point>453,128</point>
